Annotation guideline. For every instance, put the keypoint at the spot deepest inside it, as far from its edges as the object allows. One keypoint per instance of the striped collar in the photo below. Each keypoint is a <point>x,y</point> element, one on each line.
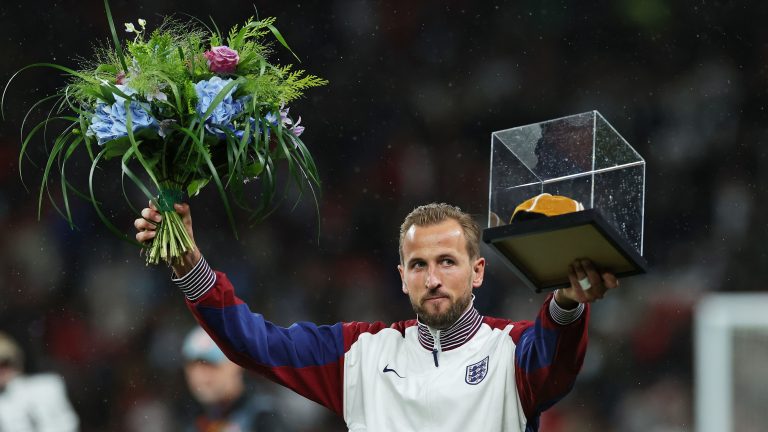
<point>454,336</point>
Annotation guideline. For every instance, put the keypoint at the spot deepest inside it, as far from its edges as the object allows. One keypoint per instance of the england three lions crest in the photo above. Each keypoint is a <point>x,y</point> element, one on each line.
<point>476,372</point>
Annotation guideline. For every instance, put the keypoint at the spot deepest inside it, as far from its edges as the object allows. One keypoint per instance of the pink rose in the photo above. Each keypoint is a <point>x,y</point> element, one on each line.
<point>222,59</point>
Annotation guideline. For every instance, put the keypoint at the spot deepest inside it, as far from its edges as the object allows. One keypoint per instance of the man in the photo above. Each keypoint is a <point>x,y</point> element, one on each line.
<point>449,369</point>
<point>31,403</point>
<point>219,386</point>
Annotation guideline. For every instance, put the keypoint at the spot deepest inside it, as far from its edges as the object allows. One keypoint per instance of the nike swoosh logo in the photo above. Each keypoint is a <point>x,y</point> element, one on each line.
<point>387,369</point>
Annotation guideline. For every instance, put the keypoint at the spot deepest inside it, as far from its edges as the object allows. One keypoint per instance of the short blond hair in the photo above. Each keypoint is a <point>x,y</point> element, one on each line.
<point>435,213</point>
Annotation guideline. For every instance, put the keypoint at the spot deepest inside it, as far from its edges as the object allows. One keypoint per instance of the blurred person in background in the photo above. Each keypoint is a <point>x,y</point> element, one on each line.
<point>31,403</point>
<point>450,367</point>
<point>227,404</point>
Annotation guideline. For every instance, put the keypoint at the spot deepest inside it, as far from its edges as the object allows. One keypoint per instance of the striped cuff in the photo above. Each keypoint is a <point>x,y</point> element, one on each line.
<point>564,316</point>
<point>197,282</point>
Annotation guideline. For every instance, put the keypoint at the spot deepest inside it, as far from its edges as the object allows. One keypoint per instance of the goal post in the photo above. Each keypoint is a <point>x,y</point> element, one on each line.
<point>731,360</point>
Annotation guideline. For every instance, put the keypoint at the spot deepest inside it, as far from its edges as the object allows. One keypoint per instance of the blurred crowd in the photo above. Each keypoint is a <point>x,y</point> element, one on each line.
<point>416,88</point>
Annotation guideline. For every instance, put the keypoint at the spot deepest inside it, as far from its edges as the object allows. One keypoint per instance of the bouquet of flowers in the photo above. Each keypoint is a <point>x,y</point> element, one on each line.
<point>190,107</point>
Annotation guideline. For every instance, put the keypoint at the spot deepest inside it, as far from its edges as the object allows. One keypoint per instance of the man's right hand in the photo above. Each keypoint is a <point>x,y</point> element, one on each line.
<point>146,227</point>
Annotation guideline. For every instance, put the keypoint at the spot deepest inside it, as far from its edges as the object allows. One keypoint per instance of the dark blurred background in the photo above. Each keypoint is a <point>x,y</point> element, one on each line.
<point>416,88</point>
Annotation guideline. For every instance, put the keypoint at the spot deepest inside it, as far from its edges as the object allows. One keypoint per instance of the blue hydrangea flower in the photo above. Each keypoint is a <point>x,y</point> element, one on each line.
<point>225,111</point>
<point>253,127</point>
<point>108,121</point>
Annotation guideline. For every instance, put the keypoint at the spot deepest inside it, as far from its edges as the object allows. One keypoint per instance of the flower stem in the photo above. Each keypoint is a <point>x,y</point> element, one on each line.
<point>171,242</point>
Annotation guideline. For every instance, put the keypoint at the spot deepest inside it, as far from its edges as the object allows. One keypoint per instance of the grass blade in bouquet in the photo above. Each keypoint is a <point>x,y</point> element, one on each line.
<point>172,240</point>
<point>188,109</point>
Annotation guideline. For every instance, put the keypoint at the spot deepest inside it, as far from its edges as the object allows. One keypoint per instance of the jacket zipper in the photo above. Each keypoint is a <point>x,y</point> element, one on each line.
<point>436,346</point>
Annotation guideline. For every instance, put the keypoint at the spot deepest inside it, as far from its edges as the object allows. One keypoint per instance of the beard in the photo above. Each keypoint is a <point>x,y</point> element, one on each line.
<point>442,321</point>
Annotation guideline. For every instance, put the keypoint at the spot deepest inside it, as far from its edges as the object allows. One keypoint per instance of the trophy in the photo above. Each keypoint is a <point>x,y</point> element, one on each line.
<point>565,189</point>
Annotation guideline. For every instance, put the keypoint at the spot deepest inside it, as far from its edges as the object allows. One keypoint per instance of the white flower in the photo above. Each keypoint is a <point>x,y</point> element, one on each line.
<point>158,95</point>
<point>130,28</point>
<point>142,22</point>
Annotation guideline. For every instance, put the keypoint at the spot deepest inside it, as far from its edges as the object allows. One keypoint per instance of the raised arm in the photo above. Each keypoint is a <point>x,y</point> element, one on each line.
<point>304,357</point>
<point>550,351</point>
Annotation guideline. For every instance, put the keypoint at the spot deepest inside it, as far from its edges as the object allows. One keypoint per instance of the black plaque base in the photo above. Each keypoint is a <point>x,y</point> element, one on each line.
<point>540,250</point>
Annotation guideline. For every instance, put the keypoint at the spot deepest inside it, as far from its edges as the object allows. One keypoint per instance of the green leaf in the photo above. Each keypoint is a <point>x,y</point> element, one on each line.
<point>127,172</point>
<point>58,146</point>
<point>43,124</point>
<point>216,28</point>
<point>109,91</point>
<point>196,185</point>
<point>67,70</point>
<point>280,39</point>
<point>106,94</point>
<point>106,69</point>
<point>62,174</point>
<point>116,147</point>
<point>152,160</point>
<point>118,47</point>
<point>253,169</point>
<point>97,207</point>
<point>135,144</point>
<point>202,152</point>
<point>174,89</point>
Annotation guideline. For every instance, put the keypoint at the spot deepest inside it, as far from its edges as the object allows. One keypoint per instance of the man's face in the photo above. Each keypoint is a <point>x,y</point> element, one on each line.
<point>7,372</point>
<point>214,383</point>
<point>437,272</point>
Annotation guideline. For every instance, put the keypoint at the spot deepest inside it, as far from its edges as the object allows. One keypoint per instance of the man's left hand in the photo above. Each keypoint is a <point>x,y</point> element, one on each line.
<point>588,284</point>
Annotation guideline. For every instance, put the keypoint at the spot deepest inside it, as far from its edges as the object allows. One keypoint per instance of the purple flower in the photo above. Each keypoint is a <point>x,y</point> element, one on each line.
<point>222,59</point>
<point>285,121</point>
<point>296,129</point>
<point>284,115</point>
